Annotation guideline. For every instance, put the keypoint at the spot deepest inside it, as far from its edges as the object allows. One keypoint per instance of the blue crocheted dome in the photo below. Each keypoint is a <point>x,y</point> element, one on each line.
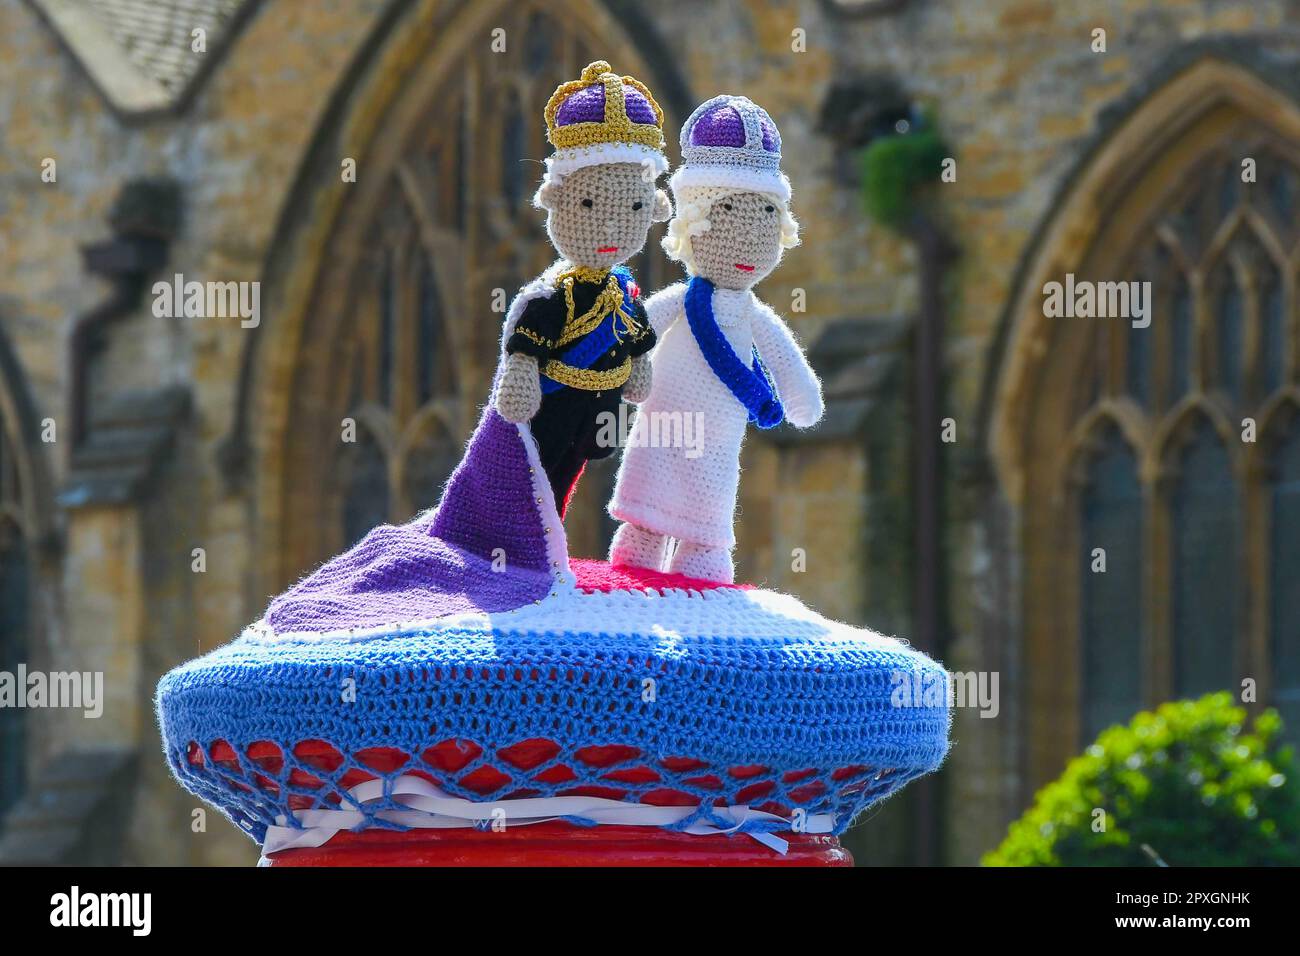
<point>722,697</point>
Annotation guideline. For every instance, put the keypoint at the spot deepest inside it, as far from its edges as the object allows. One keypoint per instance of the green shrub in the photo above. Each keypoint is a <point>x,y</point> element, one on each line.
<point>1191,781</point>
<point>895,167</point>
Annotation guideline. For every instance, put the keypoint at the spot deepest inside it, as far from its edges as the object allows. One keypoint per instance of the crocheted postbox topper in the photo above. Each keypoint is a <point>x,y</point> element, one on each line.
<point>603,118</point>
<point>730,142</point>
<point>460,666</point>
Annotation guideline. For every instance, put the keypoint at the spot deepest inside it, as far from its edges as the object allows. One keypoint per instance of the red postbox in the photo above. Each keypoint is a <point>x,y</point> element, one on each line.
<point>560,844</point>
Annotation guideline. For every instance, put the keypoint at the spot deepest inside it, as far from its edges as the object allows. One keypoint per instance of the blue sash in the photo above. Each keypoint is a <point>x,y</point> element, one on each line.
<point>584,352</point>
<point>752,385</point>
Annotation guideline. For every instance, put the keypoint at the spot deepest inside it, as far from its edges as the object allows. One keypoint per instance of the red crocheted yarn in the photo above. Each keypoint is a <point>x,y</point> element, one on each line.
<point>314,778</point>
<point>596,575</point>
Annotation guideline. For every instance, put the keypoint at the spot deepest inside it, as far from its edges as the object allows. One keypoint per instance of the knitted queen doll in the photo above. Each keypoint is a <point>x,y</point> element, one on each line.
<point>724,358</point>
<point>575,339</point>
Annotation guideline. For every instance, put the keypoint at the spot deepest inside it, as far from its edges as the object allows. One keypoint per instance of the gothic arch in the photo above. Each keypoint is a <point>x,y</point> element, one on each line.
<point>428,69</point>
<point>27,581</point>
<point>1083,435</point>
<point>1171,433</point>
<point>1189,110</point>
<point>20,434</point>
<point>1159,198</point>
<point>1271,427</point>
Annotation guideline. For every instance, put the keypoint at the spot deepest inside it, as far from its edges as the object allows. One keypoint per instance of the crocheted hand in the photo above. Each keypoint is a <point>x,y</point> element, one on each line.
<point>796,382</point>
<point>637,387</point>
<point>519,393</point>
<point>805,408</point>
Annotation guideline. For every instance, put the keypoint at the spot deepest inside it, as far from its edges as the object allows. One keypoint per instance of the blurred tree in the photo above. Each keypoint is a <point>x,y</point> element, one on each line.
<point>1186,785</point>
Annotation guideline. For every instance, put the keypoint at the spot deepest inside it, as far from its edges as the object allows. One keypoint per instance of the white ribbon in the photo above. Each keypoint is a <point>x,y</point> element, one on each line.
<point>430,808</point>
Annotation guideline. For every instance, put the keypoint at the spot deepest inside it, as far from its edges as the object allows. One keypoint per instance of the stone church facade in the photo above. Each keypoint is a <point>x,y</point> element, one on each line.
<point>369,164</point>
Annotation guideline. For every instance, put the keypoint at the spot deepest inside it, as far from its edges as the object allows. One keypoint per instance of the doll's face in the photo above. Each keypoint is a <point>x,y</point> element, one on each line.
<point>742,243</point>
<point>598,216</point>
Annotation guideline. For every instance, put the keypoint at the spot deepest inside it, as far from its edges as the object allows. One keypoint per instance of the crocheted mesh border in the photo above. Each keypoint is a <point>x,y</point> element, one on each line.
<point>257,784</point>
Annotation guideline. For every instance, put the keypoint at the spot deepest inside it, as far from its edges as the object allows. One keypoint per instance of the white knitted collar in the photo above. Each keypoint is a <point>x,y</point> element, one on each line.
<point>731,305</point>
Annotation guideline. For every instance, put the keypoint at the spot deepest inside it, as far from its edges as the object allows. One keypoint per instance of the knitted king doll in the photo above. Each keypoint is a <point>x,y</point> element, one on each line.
<point>725,358</point>
<point>576,338</point>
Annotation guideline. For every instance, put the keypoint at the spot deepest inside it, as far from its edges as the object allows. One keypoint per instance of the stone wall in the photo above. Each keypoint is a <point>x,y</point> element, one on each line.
<point>235,151</point>
<point>1016,90</point>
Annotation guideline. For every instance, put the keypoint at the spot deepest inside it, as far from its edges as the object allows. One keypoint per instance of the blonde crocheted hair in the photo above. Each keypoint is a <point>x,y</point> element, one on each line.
<point>692,218</point>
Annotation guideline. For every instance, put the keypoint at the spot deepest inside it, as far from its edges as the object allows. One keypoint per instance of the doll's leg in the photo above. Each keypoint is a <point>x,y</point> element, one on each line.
<point>564,475</point>
<point>700,561</point>
<point>557,427</point>
<point>638,547</point>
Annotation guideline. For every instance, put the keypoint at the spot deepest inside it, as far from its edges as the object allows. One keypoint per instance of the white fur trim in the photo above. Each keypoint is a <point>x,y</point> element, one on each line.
<point>739,178</point>
<point>542,286</point>
<point>557,543</point>
<point>564,161</point>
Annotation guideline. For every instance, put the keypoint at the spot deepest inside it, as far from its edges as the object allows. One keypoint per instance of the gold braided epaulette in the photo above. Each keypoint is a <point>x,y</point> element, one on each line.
<point>535,337</point>
<point>610,299</point>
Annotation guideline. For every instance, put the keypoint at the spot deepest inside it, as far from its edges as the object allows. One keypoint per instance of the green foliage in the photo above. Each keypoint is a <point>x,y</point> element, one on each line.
<point>1191,781</point>
<point>893,169</point>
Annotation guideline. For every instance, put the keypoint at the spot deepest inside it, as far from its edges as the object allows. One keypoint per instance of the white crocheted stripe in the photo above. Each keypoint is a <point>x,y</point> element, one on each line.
<point>740,178</point>
<point>557,543</point>
<point>564,161</point>
<point>425,806</point>
<point>670,616</point>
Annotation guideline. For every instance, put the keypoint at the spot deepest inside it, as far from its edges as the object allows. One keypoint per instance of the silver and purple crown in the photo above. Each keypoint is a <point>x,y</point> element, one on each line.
<point>730,142</point>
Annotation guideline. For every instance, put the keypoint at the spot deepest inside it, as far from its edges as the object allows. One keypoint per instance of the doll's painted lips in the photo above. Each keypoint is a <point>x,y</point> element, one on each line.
<point>743,267</point>
<point>608,249</point>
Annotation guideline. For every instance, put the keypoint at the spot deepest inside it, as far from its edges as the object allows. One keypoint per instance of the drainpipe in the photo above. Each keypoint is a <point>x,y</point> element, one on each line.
<point>144,218</point>
<point>936,253</point>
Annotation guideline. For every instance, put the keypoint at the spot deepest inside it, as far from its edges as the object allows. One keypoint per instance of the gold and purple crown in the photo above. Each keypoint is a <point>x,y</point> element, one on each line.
<point>602,117</point>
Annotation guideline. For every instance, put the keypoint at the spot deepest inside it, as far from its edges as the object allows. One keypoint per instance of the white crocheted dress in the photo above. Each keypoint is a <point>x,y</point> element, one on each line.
<point>687,490</point>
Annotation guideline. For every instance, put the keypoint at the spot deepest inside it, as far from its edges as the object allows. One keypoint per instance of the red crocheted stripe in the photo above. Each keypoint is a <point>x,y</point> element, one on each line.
<point>315,776</point>
<point>594,575</point>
